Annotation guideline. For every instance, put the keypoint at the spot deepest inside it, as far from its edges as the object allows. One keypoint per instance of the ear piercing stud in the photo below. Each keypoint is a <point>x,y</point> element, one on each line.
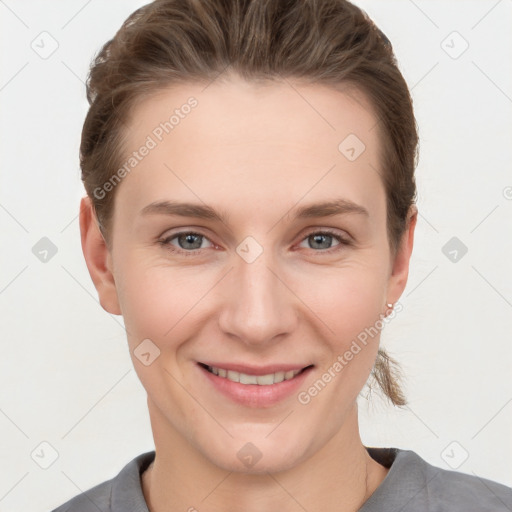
<point>390,307</point>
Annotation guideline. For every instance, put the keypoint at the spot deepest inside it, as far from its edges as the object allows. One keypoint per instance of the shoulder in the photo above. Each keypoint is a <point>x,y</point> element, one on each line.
<point>119,494</point>
<point>417,485</point>
<point>96,499</point>
<point>467,492</point>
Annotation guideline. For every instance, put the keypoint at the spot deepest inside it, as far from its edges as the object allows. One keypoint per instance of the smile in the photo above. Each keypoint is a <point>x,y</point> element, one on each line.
<point>260,380</point>
<point>252,386</point>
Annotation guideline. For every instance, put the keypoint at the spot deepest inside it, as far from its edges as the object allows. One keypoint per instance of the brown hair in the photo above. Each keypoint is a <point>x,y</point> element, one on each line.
<point>329,42</point>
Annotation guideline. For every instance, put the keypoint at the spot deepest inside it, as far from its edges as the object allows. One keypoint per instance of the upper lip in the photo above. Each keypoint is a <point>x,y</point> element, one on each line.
<point>256,370</point>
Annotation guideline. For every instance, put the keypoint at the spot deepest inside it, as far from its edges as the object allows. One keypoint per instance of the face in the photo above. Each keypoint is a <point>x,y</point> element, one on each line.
<point>269,284</point>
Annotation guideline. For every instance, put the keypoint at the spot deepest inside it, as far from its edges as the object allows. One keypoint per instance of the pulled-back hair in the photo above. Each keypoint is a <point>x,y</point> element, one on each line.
<point>329,42</point>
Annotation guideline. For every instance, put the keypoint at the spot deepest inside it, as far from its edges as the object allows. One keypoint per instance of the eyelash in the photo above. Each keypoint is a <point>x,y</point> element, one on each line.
<point>343,242</point>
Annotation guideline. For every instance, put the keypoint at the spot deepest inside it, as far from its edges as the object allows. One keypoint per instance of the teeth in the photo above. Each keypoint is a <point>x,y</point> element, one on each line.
<point>248,379</point>
<point>262,380</point>
<point>278,377</point>
<point>234,376</point>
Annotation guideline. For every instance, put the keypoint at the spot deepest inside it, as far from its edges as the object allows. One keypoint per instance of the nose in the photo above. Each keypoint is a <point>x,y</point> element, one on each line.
<point>260,304</point>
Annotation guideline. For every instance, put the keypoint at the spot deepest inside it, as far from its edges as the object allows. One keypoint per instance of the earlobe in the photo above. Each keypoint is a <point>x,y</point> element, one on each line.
<point>400,264</point>
<point>98,258</point>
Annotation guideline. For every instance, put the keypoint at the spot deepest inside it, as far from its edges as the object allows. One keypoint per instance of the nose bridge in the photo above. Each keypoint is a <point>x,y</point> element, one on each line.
<point>259,306</point>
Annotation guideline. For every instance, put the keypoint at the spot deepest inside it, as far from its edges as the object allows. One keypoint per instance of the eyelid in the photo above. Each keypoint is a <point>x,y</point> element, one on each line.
<point>343,239</point>
<point>165,240</point>
<point>336,232</point>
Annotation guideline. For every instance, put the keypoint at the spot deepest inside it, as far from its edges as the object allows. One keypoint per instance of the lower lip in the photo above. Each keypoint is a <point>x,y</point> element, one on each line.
<point>254,395</point>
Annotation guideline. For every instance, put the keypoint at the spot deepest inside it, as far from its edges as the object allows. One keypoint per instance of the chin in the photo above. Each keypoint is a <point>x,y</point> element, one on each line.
<point>253,454</point>
<point>274,463</point>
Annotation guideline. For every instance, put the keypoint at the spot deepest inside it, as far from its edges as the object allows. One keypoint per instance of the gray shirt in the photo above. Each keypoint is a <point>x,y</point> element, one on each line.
<point>411,485</point>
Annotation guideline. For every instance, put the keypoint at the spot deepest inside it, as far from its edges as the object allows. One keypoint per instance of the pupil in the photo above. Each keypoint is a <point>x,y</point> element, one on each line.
<point>189,238</point>
<point>318,238</point>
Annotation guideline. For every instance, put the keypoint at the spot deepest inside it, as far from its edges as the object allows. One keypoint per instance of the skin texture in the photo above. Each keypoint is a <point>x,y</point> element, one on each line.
<point>254,152</point>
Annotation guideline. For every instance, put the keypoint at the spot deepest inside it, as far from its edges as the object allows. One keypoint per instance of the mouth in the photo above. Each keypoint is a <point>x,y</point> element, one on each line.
<point>254,387</point>
<point>258,378</point>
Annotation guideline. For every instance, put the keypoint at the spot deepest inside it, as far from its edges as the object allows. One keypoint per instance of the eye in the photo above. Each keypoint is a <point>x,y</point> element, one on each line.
<point>189,243</point>
<point>322,239</point>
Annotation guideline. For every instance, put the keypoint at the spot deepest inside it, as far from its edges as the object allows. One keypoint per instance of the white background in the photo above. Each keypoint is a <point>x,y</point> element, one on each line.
<point>65,373</point>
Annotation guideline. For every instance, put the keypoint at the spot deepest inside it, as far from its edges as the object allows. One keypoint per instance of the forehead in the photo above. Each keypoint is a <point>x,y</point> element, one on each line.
<point>255,112</point>
<point>255,137</point>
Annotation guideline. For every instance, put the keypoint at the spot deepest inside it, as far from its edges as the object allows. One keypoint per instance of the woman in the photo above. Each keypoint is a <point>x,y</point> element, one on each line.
<point>249,169</point>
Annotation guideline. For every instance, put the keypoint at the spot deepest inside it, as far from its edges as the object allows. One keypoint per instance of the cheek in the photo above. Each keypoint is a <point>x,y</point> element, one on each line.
<point>362,304</point>
<point>349,307</point>
<point>345,300</point>
<point>160,303</point>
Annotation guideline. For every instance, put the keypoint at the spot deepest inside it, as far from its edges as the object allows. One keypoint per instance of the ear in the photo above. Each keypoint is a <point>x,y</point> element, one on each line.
<point>98,258</point>
<point>400,263</point>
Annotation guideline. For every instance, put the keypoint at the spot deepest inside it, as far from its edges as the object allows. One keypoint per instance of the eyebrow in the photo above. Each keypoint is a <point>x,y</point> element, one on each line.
<point>324,209</point>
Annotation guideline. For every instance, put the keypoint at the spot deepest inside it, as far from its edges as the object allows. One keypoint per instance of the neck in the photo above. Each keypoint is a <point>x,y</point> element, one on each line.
<point>339,477</point>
